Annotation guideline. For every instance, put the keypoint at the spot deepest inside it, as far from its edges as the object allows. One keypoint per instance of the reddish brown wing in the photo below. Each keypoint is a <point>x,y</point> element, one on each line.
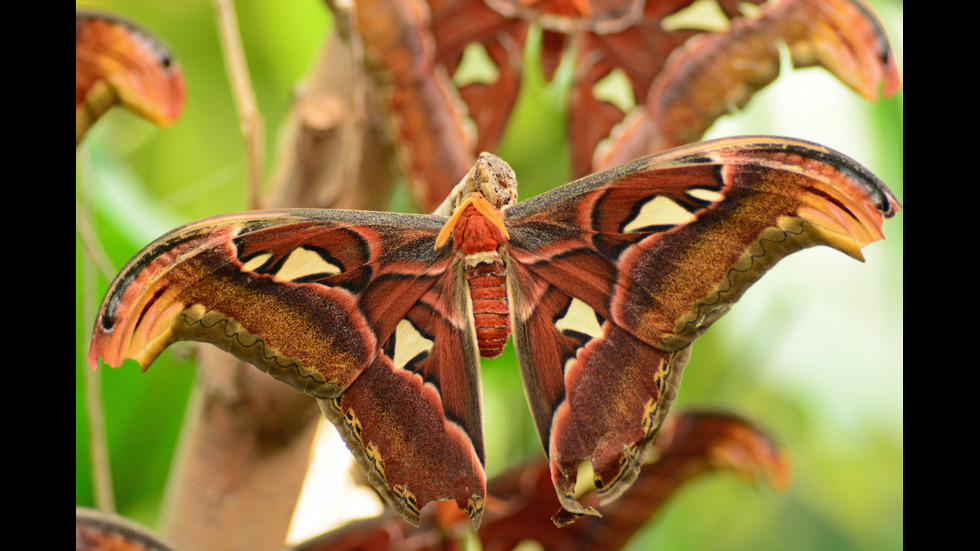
<point>715,71</point>
<point>427,434</point>
<point>672,80</point>
<point>615,275</point>
<point>355,308</point>
<point>117,62</point>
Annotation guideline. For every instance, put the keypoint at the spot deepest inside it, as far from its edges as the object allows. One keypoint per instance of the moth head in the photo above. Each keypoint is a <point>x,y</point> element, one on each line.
<point>495,180</point>
<point>491,177</point>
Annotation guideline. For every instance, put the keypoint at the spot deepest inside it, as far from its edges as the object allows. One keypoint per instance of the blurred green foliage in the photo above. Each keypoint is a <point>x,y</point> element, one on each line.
<point>813,353</point>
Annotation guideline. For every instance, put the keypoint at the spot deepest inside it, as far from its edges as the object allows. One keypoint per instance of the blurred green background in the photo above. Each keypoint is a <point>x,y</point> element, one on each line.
<point>813,353</point>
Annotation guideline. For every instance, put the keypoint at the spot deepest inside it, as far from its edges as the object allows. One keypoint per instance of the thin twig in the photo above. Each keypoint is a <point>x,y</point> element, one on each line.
<point>93,249</point>
<point>241,86</point>
<point>98,441</point>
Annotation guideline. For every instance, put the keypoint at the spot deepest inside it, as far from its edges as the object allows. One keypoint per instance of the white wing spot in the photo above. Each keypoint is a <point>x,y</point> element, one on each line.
<point>303,262</point>
<point>256,262</point>
<point>580,318</point>
<point>409,343</point>
<point>659,211</point>
<point>708,195</point>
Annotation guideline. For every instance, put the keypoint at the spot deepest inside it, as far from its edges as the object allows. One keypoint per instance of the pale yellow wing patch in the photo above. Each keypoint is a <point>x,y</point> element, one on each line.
<point>303,262</point>
<point>580,318</point>
<point>659,211</point>
<point>708,195</point>
<point>409,343</point>
<point>256,262</point>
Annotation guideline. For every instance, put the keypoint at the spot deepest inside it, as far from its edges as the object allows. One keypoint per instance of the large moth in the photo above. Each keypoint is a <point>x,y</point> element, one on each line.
<point>604,283</point>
